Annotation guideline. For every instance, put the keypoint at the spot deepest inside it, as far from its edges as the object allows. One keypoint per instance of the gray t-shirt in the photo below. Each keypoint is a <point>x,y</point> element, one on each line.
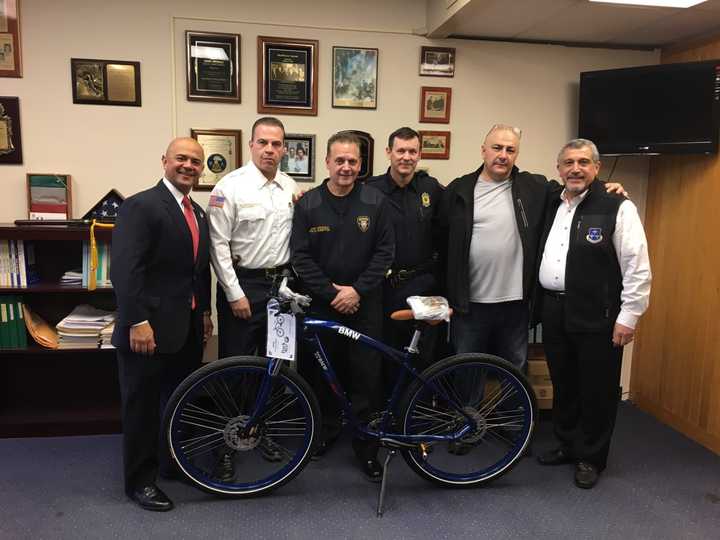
<point>496,258</point>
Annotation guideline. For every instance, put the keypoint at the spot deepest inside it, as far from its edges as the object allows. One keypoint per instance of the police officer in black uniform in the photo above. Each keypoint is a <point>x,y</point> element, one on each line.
<point>414,200</point>
<point>342,247</point>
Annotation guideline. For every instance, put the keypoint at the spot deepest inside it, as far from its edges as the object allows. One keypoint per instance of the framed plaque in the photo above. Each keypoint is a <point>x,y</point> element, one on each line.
<point>299,158</point>
<point>287,76</point>
<point>49,196</point>
<point>10,140</point>
<point>10,46</point>
<point>213,66</point>
<point>105,82</point>
<point>367,148</point>
<point>437,61</point>
<point>434,145</point>
<point>222,154</point>
<point>355,78</point>
<point>435,104</point>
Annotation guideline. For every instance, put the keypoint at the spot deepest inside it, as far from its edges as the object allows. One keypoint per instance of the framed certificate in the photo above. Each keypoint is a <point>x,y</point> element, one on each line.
<point>10,140</point>
<point>10,57</point>
<point>213,66</point>
<point>105,82</point>
<point>222,154</point>
<point>287,76</point>
<point>355,78</point>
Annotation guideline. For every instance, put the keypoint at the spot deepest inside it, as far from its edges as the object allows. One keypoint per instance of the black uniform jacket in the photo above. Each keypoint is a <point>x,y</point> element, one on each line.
<point>530,193</point>
<point>153,272</point>
<point>414,210</point>
<point>352,248</point>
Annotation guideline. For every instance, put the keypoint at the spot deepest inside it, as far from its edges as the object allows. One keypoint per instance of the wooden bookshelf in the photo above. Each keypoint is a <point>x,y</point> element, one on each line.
<point>51,392</point>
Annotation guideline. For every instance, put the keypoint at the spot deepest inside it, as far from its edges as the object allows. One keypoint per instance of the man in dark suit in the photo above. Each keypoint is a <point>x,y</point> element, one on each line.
<point>161,275</point>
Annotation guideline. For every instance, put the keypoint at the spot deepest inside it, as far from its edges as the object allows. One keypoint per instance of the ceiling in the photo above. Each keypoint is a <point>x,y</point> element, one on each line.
<point>583,22</point>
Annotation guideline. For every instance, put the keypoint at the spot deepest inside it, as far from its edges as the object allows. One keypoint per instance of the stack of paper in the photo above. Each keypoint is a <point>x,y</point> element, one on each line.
<point>106,336</point>
<point>72,277</point>
<point>82,328</point>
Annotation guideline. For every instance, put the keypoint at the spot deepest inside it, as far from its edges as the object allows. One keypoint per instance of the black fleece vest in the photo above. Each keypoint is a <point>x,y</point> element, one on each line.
<point>593,281</point>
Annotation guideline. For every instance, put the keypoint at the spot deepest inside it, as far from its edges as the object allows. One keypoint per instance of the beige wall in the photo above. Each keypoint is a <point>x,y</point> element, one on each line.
<point>102,147</point>
<point>533,86</point>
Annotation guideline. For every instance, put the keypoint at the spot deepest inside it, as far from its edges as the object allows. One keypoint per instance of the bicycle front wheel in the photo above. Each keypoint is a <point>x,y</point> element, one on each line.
<point>223,445</point>
<point>489,390</point>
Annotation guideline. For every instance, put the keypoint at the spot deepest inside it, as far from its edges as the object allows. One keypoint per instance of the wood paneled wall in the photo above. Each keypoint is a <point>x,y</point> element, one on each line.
<point>676,360</point>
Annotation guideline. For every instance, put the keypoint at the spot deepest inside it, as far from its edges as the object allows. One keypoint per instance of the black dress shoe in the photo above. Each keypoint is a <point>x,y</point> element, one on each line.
<point>586,475</point>
<point>151,497</point>
<point>372,469</point>
<point>559,456</point>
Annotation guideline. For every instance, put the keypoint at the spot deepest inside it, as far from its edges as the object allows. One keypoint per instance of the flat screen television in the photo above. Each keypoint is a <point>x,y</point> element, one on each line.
<point>661,109</point>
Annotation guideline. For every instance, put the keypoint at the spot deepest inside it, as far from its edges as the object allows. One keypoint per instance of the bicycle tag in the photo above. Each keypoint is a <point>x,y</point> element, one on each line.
<point>280,333</point>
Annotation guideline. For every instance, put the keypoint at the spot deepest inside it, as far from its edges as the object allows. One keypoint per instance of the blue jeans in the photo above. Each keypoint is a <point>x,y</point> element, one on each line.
<point>500,329</point>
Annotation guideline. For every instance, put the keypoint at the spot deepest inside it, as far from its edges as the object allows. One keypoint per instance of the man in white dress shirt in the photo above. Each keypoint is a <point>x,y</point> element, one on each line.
<point>250,215</point>
<point>595,278</point>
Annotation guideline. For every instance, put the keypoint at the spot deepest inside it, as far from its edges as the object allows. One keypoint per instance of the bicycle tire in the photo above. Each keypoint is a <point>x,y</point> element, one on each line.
<point>504,411</point>
<point>205,419</point>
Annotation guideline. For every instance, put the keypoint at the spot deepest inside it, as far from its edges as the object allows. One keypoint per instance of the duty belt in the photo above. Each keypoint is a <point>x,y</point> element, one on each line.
<point>269,274</point>
<point>399,275</point>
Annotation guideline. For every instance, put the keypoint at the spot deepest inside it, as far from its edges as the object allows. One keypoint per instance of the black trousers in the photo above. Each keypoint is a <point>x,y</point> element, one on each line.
<point>238,336</point>
<point>358,367</point>
<point>146,384</point>
<point>585,371</point>
<point>398,334</point>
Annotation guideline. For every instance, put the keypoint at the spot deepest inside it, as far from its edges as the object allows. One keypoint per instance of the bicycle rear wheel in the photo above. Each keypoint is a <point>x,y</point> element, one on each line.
<point>494,394</point>
<point>206,425</point>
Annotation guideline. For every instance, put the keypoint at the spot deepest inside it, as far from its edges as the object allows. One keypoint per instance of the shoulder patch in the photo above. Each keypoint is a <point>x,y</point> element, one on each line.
<point>218,201</point>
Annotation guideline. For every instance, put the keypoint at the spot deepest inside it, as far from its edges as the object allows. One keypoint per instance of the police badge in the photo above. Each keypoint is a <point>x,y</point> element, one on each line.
<point>425,198</point>
<point>594,235</point>
<point>363,223</point>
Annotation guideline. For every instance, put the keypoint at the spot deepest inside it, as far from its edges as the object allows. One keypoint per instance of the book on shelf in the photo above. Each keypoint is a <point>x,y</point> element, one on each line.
<point>13,334</point>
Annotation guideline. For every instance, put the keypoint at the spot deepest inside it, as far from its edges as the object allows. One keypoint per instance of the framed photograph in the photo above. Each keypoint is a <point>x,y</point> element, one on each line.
<point>287,76</point>
<point>10,46</point>
<point>10,140</point>
<point>434,145</point>
<point>437,61</point>
<point>435,104</point>
<point>299,158</point>
<point>213,66</point>
<point>367,148</point>
<point>105,82</point>
<point>223,154</point>
<point>49,196</point>
<point>354,78</point>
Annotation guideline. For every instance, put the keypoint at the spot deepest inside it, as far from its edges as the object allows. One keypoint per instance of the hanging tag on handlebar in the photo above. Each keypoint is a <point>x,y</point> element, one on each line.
<point>280,333</point>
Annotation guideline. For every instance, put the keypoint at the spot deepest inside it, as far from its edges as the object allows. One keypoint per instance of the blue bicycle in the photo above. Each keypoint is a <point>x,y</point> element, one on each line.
<point>463,421</point>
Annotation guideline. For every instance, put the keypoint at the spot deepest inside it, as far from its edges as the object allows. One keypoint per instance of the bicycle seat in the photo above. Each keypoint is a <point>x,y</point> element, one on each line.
<point>407,315</point>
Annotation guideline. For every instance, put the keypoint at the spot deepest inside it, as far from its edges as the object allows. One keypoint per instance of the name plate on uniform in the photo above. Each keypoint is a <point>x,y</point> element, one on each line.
<point>280,333</point>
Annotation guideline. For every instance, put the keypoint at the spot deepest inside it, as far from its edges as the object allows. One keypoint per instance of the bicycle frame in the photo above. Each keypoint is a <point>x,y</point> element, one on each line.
<point>311,328</point>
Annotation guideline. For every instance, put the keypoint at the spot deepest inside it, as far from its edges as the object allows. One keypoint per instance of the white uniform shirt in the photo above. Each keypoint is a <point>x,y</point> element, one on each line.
<point>631,248</point>
<point>250,220</point>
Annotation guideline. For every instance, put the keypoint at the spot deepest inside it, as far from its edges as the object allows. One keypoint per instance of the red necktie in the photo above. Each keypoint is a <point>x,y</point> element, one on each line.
<point>194,232</point>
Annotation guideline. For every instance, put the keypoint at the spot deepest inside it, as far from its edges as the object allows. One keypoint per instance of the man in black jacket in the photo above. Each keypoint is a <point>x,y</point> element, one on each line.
<point>493,218</point>
<point>413,202</point>
<point>595,279</point>
<point>342,246</point>
<point>161,275</point>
